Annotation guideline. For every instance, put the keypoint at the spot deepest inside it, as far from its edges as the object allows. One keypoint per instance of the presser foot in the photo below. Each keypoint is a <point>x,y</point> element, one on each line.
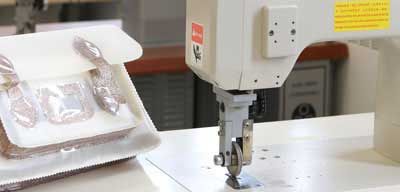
<point>236,179</point>
<point>243,181</point>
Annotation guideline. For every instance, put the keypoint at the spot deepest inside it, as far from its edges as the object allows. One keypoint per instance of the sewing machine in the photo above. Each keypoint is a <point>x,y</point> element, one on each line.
<point>241,45</point>
<point>26,11</point>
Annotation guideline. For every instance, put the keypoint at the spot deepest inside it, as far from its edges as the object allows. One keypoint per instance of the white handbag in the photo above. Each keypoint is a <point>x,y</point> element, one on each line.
<point>67,104</point>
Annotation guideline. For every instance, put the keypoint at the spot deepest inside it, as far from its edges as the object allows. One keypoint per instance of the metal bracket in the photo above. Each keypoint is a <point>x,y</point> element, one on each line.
<point>234,125</point>
<point>247,141</point>
<point>235,136</point>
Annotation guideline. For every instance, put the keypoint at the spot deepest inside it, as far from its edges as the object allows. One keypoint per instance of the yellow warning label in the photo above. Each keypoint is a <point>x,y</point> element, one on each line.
<point>361,15</point>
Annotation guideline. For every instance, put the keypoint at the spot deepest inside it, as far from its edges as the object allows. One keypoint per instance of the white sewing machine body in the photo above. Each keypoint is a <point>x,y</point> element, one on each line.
<point>254,44</point>
<point>236,40</point>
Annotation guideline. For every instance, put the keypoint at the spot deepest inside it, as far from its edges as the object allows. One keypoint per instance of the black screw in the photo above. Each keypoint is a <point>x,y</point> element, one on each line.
<point>271,33</point>
<point>293,32</point>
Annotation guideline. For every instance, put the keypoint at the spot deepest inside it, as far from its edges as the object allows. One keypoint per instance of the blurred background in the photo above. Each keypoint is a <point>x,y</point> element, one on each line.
<point>323,83</point>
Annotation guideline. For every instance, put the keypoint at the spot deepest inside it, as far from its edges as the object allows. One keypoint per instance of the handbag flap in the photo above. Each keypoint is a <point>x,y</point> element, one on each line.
<point>51,54</point>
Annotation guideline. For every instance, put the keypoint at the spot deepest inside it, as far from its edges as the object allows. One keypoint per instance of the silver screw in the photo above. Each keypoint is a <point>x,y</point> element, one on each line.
<point>221,123</point>
<point>218,160</point>
<point>221,128</point>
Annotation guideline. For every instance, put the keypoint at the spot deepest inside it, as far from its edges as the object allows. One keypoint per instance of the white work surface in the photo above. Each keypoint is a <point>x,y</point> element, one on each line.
<point>323,154</point>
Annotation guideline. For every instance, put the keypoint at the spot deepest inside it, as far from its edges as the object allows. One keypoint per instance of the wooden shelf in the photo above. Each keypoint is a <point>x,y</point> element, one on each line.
<point>172,59</point>
<point>159,60</point>
<point>325,51</point>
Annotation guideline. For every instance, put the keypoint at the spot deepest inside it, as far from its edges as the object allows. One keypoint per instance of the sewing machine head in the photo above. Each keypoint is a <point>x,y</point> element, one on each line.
<point>248,45</point>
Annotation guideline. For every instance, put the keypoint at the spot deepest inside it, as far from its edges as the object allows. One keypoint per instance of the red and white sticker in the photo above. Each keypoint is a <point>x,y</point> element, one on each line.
<point>197,43</point>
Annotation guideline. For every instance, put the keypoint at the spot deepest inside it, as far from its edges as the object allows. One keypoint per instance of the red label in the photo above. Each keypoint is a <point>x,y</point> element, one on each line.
<point>197,33</point>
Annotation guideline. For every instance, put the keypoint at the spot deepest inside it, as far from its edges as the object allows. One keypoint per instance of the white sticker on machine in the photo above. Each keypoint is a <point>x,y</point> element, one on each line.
<point>197,43</point>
